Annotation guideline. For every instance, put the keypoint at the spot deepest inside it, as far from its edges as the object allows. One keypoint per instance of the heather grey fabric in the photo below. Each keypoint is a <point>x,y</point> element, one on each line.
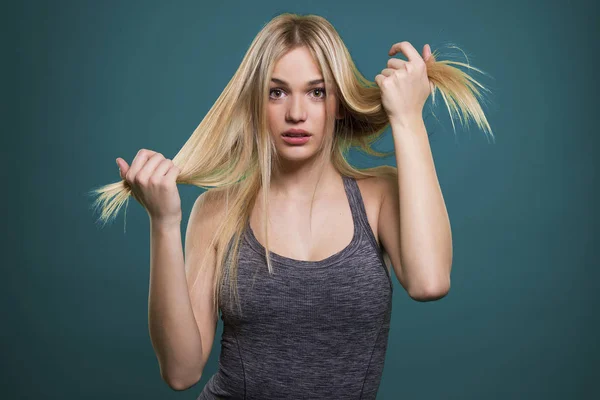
<point>313,330</point>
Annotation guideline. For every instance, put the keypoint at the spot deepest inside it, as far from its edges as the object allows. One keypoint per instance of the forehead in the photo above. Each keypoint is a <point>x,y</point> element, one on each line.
<point>297,66</point>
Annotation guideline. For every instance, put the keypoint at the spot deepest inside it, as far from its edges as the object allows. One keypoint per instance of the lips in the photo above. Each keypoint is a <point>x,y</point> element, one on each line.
<point>296,133</point>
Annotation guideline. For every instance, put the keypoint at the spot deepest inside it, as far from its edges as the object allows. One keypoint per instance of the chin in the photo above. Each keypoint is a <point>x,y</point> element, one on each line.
<point>295,154</point>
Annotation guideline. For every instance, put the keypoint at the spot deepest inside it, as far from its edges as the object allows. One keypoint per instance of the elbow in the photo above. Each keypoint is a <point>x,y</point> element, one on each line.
<point>431,292</point>
<point>180,384</point>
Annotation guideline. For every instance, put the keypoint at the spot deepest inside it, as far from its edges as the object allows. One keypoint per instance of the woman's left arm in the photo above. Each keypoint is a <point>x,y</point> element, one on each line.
<point>414,227</point>
<point>425,233</point>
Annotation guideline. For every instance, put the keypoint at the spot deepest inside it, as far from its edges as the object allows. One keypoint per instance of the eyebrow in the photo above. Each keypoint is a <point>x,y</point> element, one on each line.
<point>309,83</point>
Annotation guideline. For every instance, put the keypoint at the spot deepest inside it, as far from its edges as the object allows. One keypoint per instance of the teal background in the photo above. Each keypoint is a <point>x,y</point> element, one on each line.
<point>90,81</point>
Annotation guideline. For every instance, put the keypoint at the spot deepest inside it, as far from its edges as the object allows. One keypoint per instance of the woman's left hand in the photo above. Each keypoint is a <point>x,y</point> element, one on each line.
<point>404,84</point>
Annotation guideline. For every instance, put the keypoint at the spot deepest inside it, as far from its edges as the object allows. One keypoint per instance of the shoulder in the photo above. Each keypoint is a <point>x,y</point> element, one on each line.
<point>207,213</point>
<point>211,205</point>
<point>208,203</point>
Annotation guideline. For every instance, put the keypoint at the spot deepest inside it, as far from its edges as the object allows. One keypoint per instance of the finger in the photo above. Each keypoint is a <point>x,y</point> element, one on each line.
<point>149,167</point>
<point>426,52</point>
<point>388,71</point>
<point>138,162</point>
<point>162,168</point>
<point>378,79</point>
<point>123,167</point>
<point>172,173</point>
<point>431,55</point>
<point>396,63</point>
<point>407,49</point>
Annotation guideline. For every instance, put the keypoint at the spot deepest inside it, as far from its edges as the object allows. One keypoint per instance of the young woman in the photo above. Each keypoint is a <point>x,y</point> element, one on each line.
<point>300,276</point>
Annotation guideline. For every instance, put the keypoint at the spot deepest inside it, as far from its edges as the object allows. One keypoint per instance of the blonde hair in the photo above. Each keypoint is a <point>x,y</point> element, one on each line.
<point>231,152</point>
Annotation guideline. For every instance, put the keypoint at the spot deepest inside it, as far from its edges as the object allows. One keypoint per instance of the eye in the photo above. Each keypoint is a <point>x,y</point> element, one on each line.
<point>322,90</point>
<point>274,90</point>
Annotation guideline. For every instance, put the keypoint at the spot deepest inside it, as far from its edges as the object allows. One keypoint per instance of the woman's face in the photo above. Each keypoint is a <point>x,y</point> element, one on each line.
<point>296,102</point>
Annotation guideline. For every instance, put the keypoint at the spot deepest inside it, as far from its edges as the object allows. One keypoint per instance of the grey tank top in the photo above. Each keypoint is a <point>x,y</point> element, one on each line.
<point>313,329</point>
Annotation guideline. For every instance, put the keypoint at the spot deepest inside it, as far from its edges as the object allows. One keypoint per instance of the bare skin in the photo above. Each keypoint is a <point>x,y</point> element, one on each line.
<point>332,226</point>
<point>302,106</point>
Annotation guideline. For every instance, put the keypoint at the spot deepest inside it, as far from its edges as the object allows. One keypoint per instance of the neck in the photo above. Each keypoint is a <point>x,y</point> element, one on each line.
<point>294,180</point>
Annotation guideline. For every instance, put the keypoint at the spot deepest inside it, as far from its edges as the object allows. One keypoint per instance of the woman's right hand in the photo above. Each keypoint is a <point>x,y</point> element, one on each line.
<point>152,179</point>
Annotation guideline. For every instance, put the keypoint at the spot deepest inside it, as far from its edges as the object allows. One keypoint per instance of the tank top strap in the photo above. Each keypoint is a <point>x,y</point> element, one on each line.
<point>359,214</point>
<point>357,204</point>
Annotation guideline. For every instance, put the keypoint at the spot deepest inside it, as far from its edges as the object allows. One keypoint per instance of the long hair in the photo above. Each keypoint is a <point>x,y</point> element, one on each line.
<point>231,153</point>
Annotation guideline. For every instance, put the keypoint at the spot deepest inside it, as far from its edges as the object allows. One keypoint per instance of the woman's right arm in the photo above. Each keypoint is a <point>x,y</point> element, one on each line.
<point>182,323</point>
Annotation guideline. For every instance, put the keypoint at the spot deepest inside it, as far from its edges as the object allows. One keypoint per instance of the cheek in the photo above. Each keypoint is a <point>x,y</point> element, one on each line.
<point>273,117</point>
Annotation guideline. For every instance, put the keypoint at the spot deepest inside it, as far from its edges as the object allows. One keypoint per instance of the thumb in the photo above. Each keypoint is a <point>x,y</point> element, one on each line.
<point>426,52</point>
<point>123,167</point>
<point>429,52</point>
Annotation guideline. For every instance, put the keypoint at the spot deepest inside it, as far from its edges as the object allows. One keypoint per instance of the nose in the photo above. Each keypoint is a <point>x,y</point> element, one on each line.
<point>296,111</point>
